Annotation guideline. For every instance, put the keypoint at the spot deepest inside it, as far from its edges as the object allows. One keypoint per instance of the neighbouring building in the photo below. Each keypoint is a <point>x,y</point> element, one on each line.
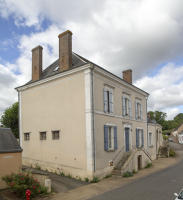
<point>80,119</point>
<point>10,154</point>
<point>154,138</point>
<point>178,133</point>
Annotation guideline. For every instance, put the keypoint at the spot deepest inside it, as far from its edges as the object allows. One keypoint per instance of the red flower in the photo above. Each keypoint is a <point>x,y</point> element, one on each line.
<point>12,183</point>
<point>34,187</point>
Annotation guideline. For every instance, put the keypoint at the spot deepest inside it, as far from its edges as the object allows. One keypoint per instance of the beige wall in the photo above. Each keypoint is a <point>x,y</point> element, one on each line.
<point>101,118</point>
<point>157,139</point>
<point>56,105</point>
<point>9,163</point>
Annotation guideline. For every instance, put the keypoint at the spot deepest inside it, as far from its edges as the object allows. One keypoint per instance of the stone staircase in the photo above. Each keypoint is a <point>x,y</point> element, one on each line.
<point>117,169</point>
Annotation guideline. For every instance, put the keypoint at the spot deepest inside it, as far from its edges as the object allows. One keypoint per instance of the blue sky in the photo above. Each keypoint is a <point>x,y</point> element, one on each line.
<point>143,35</point>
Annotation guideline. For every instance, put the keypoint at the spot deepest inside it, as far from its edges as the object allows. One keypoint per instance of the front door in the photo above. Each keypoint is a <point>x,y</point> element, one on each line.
<point>139,162</point>
<point>127,139</point>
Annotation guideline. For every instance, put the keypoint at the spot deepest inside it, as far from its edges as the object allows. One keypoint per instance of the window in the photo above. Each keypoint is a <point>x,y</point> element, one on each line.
<point>138,110</point>
<point>150,139</point>
<point>126,106</point>
<point>55,135</point>
<point>110,138</point>
<point>43,135</point>
<point>26,136</point>
<point>139,138</point>
<point>108,100</point>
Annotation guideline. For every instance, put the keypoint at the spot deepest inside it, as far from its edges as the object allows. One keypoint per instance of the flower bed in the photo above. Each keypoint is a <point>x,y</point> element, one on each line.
<point>19,183</point>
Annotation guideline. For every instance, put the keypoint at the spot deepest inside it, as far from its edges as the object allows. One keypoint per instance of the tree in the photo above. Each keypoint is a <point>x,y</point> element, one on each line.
<point>9,119</point>
<point>159,116</point>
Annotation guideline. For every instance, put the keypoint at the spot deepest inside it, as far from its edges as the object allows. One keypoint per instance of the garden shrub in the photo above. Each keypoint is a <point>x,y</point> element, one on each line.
<point>127,174</point>
<point>94,180</point>
<point>148,165</point>
<point>171,153</point>
<point>19,183</point>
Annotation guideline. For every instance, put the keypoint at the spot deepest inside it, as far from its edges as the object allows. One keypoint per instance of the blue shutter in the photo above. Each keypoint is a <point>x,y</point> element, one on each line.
<point>130,108</point>
<point>142,138</point>
<point>105,100</point>
<point>115,138</point>
<point>111,101</point>
<point>136,111</point>
<point>123,106</point>
<point>137,138</point>
<point>106,138</point>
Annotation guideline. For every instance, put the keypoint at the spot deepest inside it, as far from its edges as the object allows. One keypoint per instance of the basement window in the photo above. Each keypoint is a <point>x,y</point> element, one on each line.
<point>55,135</point>
<point>43,135</point>
<point>26,136</point>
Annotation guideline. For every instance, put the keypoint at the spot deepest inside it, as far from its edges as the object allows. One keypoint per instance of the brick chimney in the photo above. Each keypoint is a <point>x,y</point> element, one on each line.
<point>127,76</point>
<point>65,50</point>
<point>36,63</point>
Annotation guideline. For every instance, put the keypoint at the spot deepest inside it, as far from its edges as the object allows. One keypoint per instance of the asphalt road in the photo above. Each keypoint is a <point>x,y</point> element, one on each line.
<point>158,186</point>
<point>1,198</point>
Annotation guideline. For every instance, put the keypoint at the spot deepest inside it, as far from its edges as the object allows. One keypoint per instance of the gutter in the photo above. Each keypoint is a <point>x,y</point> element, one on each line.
<point>93,119</point>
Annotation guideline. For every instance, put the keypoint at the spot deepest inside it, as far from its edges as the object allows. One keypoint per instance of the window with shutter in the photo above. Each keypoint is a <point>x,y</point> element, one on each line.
<point>126,106</point>
<point>139,138</point>
<point>110,138</point>
<point>150,144</point>
<point>138,110</point>
<point>108,100</point>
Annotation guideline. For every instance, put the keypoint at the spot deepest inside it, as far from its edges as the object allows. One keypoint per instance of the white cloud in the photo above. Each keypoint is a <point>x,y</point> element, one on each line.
<point>9,79</point>
<point>165,89</point>
<point>139,34</point>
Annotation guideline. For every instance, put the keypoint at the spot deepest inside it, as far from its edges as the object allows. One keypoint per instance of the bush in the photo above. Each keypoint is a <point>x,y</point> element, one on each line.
<point>148,165</point>
<point>87,180</point>
<point>165,137</point>
<point>172,153</point>
<point>94,180</point>
<point>108,176</point>
<point>20,182</point>
<point>134,171</point>
<point>127,174</point>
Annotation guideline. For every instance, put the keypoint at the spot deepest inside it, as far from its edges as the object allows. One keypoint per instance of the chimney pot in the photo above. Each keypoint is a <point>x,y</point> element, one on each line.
<point>65,50</point>
<point>36,63</point>
<point>127,76</point>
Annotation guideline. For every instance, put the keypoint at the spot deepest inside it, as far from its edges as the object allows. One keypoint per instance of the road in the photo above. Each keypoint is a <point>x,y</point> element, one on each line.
<point>1,198</point>
<point>158,186</point>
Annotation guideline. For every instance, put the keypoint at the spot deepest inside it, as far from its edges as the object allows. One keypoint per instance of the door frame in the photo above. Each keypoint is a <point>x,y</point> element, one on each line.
<point>139,162</point>
<point>130,139</point>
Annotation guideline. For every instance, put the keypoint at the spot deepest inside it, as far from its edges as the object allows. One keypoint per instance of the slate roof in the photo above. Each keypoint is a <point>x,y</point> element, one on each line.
<point>8,142</point>
<point>53,69</point>
<point>77,61</point>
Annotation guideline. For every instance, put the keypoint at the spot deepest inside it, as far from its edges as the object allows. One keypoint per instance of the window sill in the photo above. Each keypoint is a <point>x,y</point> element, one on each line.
<point>141,147</point>
<point>138,119</point>
<point>151,146</point>
<point>111,150</point>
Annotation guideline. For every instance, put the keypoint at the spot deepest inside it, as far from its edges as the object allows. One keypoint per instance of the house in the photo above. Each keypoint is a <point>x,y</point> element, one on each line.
<point>155,138</point>
<point>178,133</point>
<point>10,154</point>
<point>80,119</point>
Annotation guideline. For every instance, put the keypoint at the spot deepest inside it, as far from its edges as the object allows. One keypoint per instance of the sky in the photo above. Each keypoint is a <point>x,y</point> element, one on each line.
<point>143,35</point>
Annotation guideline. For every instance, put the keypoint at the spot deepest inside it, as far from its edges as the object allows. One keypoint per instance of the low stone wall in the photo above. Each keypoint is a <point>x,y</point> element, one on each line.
<point>132,162</point>
<point>9,163</point>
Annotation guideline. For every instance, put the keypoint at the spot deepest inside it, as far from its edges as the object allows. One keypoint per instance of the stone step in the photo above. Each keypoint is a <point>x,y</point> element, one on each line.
<point>122,161</point>
<point>116,172</point>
